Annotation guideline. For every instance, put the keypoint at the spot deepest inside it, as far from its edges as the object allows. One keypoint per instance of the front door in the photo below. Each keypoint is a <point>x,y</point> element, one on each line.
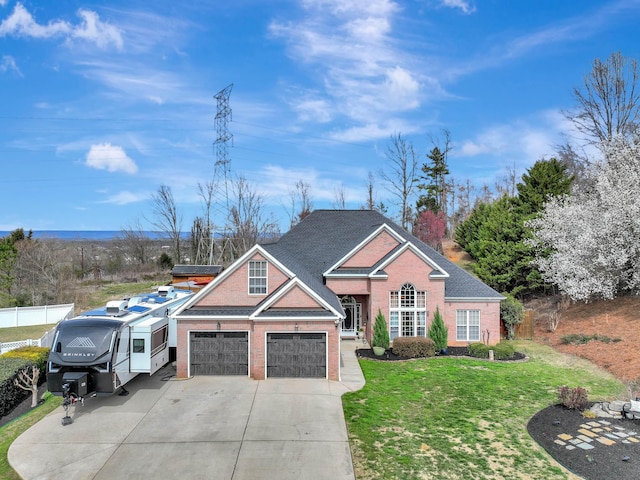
<point>353,319</point>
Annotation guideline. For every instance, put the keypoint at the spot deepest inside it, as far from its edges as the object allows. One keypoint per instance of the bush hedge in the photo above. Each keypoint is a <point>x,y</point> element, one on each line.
<point>501,351</point>
<point>37,355</point>
<point>414,347</point>
<point>11,363</point>
<point>573,398</point>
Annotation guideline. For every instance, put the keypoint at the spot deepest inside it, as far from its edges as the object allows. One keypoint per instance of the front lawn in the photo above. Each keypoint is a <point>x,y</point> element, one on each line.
<point>458,418</point>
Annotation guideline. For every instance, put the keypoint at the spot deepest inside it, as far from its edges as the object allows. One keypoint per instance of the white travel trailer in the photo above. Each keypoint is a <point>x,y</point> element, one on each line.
<point>99,351</point>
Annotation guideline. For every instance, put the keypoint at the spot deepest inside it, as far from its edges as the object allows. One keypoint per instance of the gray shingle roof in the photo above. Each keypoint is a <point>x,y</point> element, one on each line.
<point>196,269</point>
<point>218,311</point>
<point>325,236</point>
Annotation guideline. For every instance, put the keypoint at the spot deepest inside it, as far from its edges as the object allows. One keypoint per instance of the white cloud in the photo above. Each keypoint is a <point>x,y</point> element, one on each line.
<point>521,142</point>
<point>155,99</point>
<point>22,24</point>
<point>3,3</point>
<point>113,158</point>
<point>96,31</point>
<point>465,6</point>
<point>370,82</point>
<point>313,109</point>
<point>277,183</point>
<point>138,80</point>
<point>402,87</point>
<point>125,197</point>
<point>8,64</point>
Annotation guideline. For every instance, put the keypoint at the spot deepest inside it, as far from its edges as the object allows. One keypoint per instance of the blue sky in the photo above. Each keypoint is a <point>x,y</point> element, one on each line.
<point>103,102</point>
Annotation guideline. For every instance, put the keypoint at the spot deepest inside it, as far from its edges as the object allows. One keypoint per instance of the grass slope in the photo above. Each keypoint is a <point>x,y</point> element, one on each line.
<point>458,418</point>
<point>11,431</point>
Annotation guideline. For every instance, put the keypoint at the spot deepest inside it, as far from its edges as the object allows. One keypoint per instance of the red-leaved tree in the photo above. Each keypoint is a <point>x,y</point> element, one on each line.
<point>430,228</point>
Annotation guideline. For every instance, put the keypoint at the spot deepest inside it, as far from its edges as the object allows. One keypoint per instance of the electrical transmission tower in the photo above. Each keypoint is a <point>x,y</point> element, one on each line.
<point>222,164</point>
<point>223,116</point>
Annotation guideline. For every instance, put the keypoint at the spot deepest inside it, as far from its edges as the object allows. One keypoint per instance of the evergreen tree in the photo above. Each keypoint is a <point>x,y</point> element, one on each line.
<point>497,235</point>
<point>438,331</point>
<point>435,172</point>
<point>542,182</point>
<point>512,314</point>
<point>380,332</point>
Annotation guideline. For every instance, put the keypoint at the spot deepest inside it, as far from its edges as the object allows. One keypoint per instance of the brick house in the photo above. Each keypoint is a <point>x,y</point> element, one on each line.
<point>281,309</point>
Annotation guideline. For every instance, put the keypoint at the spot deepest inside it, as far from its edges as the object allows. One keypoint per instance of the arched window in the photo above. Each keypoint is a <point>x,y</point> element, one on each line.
<point>407,312</point>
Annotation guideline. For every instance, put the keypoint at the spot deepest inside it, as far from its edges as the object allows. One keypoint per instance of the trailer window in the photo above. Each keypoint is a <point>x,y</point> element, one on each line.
<point>159,339</point>
<point>138,345</point>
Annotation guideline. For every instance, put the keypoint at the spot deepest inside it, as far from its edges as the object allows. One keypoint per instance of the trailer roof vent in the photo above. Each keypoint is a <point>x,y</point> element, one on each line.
<point>117,308</point>
<point>166,291</point>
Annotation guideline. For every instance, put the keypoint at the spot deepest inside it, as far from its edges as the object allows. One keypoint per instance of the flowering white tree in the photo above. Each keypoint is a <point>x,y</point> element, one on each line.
<point>588,242</point>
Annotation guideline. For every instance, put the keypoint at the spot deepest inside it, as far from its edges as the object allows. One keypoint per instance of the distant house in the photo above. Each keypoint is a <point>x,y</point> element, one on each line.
<point>281,309</point>
<point>194,277</point>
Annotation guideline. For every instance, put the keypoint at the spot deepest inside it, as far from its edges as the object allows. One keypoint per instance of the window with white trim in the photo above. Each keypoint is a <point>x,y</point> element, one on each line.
<point>468,325</point>
<point>257,277</point>
<point>407,312</point>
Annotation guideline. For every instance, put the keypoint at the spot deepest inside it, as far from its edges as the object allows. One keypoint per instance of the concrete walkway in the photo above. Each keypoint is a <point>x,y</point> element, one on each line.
<point>200,428</point>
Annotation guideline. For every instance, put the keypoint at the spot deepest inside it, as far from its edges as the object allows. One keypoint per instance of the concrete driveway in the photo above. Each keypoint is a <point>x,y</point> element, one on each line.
<point>200,428</point>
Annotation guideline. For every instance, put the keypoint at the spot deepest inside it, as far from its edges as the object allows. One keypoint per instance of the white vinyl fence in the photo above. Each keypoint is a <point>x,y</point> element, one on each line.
<point>25,316</point>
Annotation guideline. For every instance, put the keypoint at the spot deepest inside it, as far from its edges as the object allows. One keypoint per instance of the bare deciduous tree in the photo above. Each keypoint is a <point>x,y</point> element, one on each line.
<point>202,230</point>
<point>371,201</point>
<point>247,218</point>
<point>167,219</point>
<point>339,201</point>
<point>43,272</point>
<point>507,184</point>
<point>556,314</point>
<point>301,203</point>
<point>400,177</point>
<point>135,243</point>
<point>608,102</point>
<point>29,382</point>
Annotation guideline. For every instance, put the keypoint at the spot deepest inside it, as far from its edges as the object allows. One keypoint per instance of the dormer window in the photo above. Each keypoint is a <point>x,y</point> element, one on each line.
<point>257,277</point>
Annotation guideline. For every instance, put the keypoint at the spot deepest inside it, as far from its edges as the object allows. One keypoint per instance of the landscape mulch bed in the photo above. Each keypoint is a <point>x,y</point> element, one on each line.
<point>620,461</point>
<point>22,407</point>
<point>451,352</point>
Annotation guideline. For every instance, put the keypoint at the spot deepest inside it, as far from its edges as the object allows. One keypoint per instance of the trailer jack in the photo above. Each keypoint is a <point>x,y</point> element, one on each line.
<point>69,399</point>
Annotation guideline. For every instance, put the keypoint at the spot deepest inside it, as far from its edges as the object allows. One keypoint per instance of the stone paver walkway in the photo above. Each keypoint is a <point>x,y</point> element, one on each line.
<point>596,433</point>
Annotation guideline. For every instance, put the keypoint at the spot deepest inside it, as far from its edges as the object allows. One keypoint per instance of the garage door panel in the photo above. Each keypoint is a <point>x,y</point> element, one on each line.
<point>219,353</point>
<point>301,355</point>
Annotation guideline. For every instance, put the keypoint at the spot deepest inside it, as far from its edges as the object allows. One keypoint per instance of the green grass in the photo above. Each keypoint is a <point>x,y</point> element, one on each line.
<point>14,334</point>
<point>100,295</point>
<point>459,418</point>
<point>12,430</point>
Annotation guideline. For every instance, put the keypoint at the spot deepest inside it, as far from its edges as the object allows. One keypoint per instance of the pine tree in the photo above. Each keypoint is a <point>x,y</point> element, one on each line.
<point>438,331</point>
<point>380,332</point>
